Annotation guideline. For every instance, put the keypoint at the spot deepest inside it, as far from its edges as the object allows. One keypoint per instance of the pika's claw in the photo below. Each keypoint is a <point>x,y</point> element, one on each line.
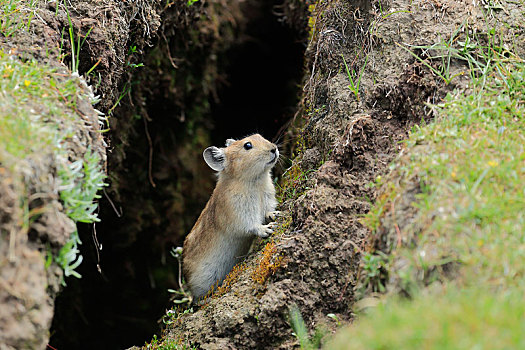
<point>265,230</point>
<point>273,215</point>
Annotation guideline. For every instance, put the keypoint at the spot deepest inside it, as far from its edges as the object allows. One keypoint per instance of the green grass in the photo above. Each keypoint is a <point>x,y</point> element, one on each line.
<point>355,77</point>
<point>470,163</point>
<point>467,319</point>
<point>461,258</point>
<point>38,118</point>
<point>15,15</point>
<point>167,344</point>
<point>301,331</point>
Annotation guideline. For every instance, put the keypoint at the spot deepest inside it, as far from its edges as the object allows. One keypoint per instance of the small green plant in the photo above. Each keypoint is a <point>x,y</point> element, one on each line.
<point>75,47</point>
<point>172,315</point>
<point>126,89</point>
<point>183,296</point>
<point>132,50</point>
<point>374,267</point>
<point>480,58</point>
<point>301,332</point>
<point>293,183</point>
<point>448,52</point>
<point>191,2</point>
<point>355,77</point>
<point>80,182</point>
<point>69,257</point>
<point>157,344</point>
<point>299,328</point>
<point>335,318</point>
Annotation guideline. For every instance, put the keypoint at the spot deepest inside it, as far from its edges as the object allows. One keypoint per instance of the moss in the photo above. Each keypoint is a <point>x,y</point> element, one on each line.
<point>267,264</point>
<point>216,291</point>
<point>167,344</point>
<point>293,182</point>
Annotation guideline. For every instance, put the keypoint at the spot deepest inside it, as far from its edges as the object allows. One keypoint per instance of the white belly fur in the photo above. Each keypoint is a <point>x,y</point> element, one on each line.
<point>212,270</point>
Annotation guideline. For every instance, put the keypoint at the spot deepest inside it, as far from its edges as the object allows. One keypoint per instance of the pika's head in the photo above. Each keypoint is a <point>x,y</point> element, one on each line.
<point>244,159</point>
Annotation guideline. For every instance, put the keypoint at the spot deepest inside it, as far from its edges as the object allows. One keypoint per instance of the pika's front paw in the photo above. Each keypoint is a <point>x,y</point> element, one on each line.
<point>273,215</point>
<point>264,231</point>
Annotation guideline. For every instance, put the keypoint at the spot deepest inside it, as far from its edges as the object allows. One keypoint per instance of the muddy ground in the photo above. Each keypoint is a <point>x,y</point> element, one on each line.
<point>342,140</point>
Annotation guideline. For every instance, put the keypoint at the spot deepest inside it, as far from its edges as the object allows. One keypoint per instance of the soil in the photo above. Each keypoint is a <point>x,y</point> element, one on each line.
<point>342,142</point>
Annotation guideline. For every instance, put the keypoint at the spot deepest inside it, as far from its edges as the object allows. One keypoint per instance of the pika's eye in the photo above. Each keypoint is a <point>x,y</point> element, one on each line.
<point>248,145</point>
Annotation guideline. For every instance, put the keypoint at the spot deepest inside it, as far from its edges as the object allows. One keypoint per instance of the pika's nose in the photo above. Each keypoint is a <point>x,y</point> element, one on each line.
<point>274,150</point>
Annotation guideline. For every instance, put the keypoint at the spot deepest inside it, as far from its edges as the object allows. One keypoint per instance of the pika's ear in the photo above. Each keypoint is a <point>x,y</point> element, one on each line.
<point>215,158</point>
<point>229,142</point>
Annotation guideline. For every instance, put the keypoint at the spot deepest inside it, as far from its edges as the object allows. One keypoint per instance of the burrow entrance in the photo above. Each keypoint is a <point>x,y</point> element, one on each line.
<point>159,183</point>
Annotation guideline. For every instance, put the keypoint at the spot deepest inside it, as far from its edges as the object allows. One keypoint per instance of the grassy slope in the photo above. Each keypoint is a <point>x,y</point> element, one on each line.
<point>469,225</point>
<point>39,121</point>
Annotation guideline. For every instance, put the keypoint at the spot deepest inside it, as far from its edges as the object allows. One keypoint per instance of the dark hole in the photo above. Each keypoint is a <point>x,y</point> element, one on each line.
<point>263,77</point>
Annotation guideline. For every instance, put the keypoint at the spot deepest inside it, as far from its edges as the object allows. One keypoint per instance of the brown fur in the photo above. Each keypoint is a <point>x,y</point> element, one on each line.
<point>242,199</point>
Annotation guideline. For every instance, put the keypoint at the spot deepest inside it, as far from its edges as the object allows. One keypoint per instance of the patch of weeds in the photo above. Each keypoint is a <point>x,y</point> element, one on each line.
<point>479,57</point>
<point>167,344</point>
<point>80,182</point>
<point>128,85</point>
<point>15,15</point>
<point>69,257</point>
<point>173,316</point>
<point>75,48</point>
<point>132,51</point>
<point>293,184</point>
<point>301,331</point>
<point>387,194</point>
<point>182,296</point>
<point>472,174</point>
<point>37,117</point>
<point>375,271</point>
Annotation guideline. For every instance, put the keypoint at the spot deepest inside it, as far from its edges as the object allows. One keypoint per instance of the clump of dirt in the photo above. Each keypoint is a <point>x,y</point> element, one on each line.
<point>354,120</point>
<point>109,30</point>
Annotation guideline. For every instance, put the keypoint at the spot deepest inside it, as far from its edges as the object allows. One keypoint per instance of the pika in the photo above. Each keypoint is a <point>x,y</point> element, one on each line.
<point>241,208</point>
